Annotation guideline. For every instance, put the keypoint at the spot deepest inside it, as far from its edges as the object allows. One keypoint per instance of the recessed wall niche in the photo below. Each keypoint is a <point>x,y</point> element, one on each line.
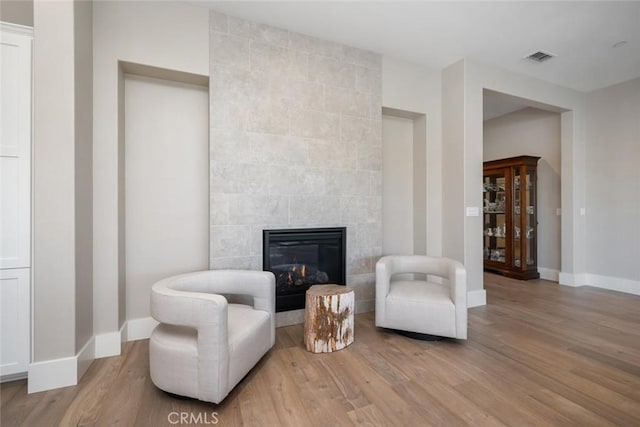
<point>166,178</point>
<point>404,189</point>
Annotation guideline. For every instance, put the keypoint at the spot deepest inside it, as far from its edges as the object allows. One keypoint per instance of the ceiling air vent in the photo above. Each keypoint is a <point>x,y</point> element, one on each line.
<point>539,56</point>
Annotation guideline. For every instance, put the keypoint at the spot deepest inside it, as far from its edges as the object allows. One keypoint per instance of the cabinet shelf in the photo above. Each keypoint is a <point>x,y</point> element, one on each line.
<point>509,192</point>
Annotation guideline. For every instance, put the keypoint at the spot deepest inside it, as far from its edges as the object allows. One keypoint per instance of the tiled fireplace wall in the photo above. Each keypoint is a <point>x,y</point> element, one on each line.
<point>295,142</point>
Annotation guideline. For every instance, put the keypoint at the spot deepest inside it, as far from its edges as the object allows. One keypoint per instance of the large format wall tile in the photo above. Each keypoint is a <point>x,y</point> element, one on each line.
<point>295,142</point>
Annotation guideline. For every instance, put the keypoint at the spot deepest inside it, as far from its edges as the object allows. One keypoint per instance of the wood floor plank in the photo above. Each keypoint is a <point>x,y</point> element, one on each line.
<point>576,413</point>
<point>538,354</point>
<point>122,402</point>
<point>51,408</point>
<point>85,408</point>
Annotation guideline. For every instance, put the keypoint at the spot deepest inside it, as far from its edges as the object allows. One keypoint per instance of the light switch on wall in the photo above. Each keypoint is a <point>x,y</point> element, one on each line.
<point>558,211</point>
<point>473,211</point>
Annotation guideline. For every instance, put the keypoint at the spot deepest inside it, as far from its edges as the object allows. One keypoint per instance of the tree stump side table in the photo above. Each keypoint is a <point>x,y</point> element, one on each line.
<point>328,318</point>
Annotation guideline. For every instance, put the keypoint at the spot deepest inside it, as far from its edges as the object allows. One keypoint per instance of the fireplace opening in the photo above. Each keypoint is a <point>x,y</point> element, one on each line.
<point>300,258</point>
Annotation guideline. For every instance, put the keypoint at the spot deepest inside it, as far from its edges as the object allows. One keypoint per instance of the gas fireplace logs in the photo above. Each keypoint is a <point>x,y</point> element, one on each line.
<point>328,323</point>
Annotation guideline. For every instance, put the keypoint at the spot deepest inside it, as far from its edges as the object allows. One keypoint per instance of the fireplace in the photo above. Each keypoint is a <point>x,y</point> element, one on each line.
<point>300,258</point>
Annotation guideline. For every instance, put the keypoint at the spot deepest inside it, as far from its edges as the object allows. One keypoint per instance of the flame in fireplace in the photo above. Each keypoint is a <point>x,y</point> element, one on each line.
<point>295,276</point>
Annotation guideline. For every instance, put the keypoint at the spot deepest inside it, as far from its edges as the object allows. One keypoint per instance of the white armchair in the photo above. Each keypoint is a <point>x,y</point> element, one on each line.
<point>204,345</point>
<point>422,306</point>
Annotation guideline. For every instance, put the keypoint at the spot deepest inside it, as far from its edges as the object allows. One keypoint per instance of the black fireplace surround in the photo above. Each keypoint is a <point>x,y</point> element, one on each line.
<point>300,258</point>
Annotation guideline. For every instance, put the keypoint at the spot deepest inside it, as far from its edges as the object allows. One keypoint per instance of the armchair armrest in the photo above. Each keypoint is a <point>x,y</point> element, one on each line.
<point>458,282</point>
<point>186,308</point>
<point>205,312</point>
<point>385,267</point>
<point>207,286</point>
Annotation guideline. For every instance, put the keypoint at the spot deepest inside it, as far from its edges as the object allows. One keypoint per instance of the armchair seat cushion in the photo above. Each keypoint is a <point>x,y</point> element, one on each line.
<point>420,292</point>
<point>249,339</point>
<point>429,302</point>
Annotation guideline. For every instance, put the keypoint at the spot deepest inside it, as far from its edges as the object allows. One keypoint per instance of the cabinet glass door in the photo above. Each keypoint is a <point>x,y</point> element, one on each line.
<point>517,220</point>
<point>530,218</point>
<point>495,220</point>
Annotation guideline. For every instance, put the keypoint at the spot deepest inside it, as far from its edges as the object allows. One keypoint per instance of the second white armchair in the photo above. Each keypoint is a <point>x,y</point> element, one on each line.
<point>412,304</point>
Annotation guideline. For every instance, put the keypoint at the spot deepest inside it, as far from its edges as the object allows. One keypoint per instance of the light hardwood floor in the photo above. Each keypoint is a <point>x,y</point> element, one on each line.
<point>538,354</point>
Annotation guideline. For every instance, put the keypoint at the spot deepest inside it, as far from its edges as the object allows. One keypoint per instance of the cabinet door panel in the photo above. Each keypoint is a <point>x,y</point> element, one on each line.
<point>15,148</point>
<point>14,321</point>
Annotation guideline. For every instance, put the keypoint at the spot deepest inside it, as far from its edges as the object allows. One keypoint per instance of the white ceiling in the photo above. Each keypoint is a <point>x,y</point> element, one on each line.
<point>437,34</point>
<point>493,107</point>
<point>496,104</point>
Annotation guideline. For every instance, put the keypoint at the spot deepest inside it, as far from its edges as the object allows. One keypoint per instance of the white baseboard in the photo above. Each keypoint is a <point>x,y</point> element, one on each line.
<point>140,329</point>
<point>476,298</point>
<point>108,344</point>
<point>573,280</point>
<point>51,374</point>
<point>614,283</point>
<point>85,357</point>
<point>549,274</point>
<point>63,372</point>
<point>598,281</point>
<point>13,377</point>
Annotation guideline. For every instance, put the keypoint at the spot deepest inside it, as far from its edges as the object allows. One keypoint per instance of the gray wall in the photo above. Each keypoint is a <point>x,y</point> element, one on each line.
<point>62,187</point>
<point>17,12</point>
<point>54,183</point>
<point>613,181</point>
<point>83,105</point>
<point>167,184</point>
<point>404,183</point>
<point>295,142</point>
<point>397,186</point>
<point>537,133</point>
<point>408,87</point>
<point>120,34</point>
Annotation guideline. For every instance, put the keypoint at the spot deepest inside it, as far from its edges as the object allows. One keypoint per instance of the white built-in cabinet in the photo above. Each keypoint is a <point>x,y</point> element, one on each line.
<point>15,199</point>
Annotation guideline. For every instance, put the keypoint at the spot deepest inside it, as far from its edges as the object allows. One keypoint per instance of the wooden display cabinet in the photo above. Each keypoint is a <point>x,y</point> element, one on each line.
<point>510,217</point>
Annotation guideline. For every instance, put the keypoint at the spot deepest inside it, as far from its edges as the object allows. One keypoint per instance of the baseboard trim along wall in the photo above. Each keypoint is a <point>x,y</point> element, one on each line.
<point>570,279</point>
<point>614,283</point>
<point>63,372</point>
<point>13,377</point>
<point>604,282</point>
<point>140,329</point>
<point>52,374</point>
<point>549,274</point>
<point>85,357</point>
<point>66,371</point>
<point>476,298</point>
<point>110,343</point>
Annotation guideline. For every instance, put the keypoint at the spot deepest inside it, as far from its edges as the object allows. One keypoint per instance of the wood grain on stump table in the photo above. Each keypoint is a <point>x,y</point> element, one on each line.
<point>328,318</point>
